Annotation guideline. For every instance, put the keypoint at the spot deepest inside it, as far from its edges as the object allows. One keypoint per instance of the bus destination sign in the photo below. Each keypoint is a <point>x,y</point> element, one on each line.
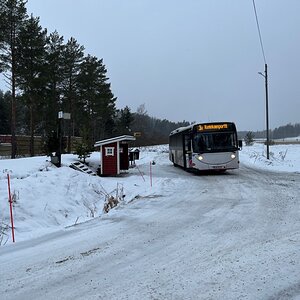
<point>204,127</point>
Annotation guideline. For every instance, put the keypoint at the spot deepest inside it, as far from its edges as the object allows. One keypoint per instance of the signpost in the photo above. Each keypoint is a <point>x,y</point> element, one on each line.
<point>61,116</point>
<point>137,134</point>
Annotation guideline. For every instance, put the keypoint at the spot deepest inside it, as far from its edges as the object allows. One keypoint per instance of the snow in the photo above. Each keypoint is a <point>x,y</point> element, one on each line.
<point>47,198</point>
<point>179,236</point>
<point>283,158</point>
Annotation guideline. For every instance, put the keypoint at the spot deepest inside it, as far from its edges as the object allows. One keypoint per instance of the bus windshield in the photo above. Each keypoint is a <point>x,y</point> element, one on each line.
<point>214,142</point>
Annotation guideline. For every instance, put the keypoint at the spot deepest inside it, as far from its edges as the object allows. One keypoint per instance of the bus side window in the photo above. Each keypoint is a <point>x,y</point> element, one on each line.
<point>187,142</point>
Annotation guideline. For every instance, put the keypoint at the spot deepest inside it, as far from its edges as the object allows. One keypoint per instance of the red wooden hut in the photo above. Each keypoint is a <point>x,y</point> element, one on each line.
<point>114,154</point>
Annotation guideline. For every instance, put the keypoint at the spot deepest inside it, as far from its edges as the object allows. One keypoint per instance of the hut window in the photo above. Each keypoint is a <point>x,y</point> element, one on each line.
<point>109,151</point>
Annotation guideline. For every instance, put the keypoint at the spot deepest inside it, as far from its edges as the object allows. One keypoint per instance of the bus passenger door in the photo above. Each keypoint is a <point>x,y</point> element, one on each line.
<point>187,150</point>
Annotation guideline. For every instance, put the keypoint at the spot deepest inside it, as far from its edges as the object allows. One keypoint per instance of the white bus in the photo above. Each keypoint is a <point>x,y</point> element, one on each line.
<point>205,146</point>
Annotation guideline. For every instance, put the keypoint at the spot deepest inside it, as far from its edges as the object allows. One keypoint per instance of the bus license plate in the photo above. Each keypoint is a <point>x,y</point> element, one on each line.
<point>218,167</point>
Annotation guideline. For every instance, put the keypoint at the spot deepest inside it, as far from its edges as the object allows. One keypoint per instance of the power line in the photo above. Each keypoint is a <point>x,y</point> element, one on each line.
<point>257,23</point>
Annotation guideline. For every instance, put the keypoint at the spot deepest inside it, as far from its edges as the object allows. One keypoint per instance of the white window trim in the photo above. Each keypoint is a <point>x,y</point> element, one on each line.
<point>109,151</point>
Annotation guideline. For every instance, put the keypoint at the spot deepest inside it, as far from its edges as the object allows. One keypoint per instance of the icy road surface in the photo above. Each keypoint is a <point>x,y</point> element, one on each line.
<point>231,236</point>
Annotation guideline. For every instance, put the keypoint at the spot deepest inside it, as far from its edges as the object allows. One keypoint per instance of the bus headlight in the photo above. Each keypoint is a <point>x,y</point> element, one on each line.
<point>200,157</point>
<point>232,156</point>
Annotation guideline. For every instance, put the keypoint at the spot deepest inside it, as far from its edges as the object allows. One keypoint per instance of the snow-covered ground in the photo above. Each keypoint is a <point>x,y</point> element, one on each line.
<point>283,158</point>
<point>246,221</point>
<point>47,198</point>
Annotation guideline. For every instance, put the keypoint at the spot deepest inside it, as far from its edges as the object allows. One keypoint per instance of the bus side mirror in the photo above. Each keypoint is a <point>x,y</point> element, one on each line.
<point>240,144</point>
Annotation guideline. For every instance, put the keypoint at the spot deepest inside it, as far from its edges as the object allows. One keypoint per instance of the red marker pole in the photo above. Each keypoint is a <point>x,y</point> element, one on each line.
<point>10,208</point>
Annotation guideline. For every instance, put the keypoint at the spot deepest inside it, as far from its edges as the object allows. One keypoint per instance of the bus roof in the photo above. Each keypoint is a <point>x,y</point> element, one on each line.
<point>180,129</point>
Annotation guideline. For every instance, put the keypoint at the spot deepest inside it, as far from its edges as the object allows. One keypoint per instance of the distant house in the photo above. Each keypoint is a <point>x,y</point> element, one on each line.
<point>114,154</point>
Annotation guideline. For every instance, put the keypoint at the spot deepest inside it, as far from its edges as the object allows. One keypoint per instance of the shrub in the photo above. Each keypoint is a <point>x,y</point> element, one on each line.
<point>249,138</point>
<point>83,151</point>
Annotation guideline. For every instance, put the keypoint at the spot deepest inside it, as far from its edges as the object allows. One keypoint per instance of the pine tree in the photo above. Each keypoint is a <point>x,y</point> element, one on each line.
<point>249,138</point>
<point>53,87</point>
<point>125,119</point>
<point>72,56</point>
<point>97,102</point>
<point>83,151</point>
<point>88,85</point>
<point>30,69</point>
<point>12,17</point>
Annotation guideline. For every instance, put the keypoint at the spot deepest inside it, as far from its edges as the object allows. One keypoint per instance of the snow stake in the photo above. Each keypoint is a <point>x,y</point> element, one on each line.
<point>150,173</point>
<point>140,172</point>
<point>11,209</point>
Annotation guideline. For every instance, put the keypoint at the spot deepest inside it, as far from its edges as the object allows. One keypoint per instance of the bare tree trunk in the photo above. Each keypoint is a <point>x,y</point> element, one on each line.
<point>13,93</point>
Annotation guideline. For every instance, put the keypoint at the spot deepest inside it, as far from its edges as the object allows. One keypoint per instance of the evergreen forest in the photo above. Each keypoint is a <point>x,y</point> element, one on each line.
<point>46,74</point>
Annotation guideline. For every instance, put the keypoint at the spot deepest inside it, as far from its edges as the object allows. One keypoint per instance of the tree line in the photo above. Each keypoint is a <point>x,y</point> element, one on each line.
<point>153,131</point>
<point>285,131</point>
<point>46,74</point>
<point>281,132</point>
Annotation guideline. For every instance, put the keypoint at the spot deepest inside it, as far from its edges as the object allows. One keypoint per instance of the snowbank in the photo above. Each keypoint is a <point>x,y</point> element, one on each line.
<point>47,198</point>
<point>283,158</point>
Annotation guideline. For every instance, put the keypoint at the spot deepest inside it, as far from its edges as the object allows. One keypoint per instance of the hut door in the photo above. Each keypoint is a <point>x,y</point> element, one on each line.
<point>124,159</point>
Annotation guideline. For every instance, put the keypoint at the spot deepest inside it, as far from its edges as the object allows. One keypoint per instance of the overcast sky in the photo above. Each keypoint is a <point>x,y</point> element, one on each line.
<point>194,60</point>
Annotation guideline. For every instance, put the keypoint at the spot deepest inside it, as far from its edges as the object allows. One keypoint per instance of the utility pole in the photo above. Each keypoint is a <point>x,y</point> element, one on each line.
<point>266,79</point>
<point>267,109</point>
